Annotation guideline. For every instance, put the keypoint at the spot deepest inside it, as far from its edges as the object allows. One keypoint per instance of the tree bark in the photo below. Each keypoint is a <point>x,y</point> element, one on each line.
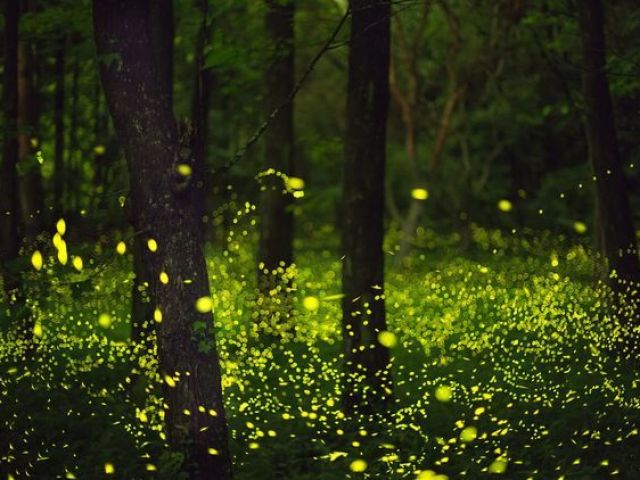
<point>202,88</point>
<point>368,380</point>
<point>162,32</point>
<point>9,205</point>
<point>204,85</point>
<point>73,168</point>
<point>58,121</point>
<point>164,209</point>
<point>275,248</point>
<point>31,198</point>
<point>614,214</point>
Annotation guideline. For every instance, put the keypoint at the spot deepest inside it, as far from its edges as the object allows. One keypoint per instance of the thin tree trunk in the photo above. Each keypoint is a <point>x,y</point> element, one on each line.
<point>202,88</point>
<point>275,248</point>
<point>58,121</point>
<point>30,182</point>
<point>73,194</point>
<point>162,32</point>
<point>163,209</point>
<point>13,303</point>
<point>161,36</point>
<point>415,209</point>
<point>363,310</point>
<point>614,214</point>
<point>204,85</point>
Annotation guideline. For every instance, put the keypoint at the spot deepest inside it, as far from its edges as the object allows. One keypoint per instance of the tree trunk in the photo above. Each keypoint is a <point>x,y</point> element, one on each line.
<point>368,385</point>
<point>163,209</point>
<point>614,214</point>
<point>9,205</point>
<point>58,121</point>
<point>204,84</point>
<point>162,32</point>
<point>73,167</point>
<point>275,248</point>
<point>31,198</point>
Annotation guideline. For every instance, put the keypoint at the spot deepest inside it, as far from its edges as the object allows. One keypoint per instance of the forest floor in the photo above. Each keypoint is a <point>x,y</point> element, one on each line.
<point>503,363</point>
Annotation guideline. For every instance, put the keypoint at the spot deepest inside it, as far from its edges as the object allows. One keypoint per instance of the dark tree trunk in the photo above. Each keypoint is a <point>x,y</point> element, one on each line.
<point>73,167</point>
<point>58,121</point>
<point>9,205</point>
<point>275,250</point>
<point>30,183</point>
<point>614,215</point>
<point>162,32</point>
<point>163,208</point>
<point>203,86</point>
<point>363,310</point>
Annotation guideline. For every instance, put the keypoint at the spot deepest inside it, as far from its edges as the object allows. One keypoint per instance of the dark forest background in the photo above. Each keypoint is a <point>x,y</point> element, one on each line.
<point>401,214</point>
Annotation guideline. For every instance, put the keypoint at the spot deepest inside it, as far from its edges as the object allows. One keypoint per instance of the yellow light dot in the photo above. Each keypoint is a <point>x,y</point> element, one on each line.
<point>109,469</point>
<point>430,475</point>
<point>469,434</point>
<point>295,183</point>
<point>505,205</point>
<point>311,303</point>
<point>498,466</point>
<point>164,278</point>
<point>358,466</point>
<point>63,256</point>
<point>213,451</point>
<point>387,339</point>
<point>77,263</point>
<point>36,260</point>
<point>152,245</point>
<point>157,315</point>
<point>37,330</point>
<point>443,393</point>
<point>204,304</point>
<point>580,227</point>
<point>420,193</point>
<point>150,467</point>
<point>121,248</point>
<point>184,169</point>
<point>104,320</point>
<point>56,240</point>
<point>61,226</point>
<point>99,149</point>
<point>168,379</point>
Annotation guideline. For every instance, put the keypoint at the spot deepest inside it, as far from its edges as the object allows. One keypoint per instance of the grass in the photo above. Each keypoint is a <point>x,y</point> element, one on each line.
<point>504,365</point>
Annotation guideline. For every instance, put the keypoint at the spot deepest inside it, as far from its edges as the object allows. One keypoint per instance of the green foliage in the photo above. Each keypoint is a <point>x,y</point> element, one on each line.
<point>514,332</point>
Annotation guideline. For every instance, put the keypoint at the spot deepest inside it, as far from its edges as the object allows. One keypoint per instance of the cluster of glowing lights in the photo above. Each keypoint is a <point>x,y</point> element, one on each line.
<point>499,316</point>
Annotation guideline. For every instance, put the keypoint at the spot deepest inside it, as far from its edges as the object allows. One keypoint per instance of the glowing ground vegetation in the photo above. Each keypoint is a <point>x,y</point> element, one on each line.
<point>503,364</point>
